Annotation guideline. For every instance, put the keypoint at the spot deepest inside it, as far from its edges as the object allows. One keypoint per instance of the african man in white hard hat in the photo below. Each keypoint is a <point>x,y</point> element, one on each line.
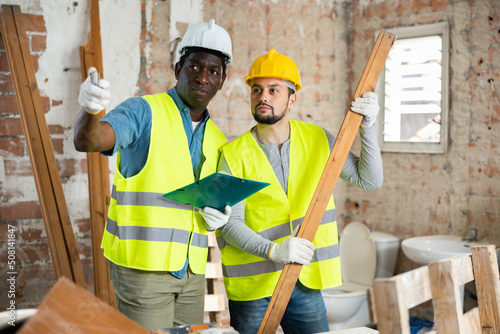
<point>157,248</point>
<point>260,236</point>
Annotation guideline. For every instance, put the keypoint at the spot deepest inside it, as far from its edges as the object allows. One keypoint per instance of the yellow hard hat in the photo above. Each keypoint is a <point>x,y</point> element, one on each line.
<point>274,65</point>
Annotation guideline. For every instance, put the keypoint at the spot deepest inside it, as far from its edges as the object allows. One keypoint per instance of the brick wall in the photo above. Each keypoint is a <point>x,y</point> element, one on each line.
<point>439,194</point>
<point>330,42</point>
<point>19,206</point>
<point>303,30</point>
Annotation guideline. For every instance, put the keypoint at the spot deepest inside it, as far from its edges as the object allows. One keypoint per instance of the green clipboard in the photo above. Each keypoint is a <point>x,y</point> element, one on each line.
<point>216,190</point>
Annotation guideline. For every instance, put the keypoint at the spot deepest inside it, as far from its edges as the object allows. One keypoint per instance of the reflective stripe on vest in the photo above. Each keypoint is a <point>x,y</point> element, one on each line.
<point>281,231</point>
<point>273,214</point>
<point>155,234</point>
<point>145,198</point>
<point>265,267</point>
<point>151,233</point>
<point>144,230</point>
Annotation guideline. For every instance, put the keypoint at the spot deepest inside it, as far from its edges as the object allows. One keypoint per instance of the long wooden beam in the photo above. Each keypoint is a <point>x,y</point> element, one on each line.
<point>331,173</point>
<point>62,243</point>
<point>485,263</point>
<point>97,168</point>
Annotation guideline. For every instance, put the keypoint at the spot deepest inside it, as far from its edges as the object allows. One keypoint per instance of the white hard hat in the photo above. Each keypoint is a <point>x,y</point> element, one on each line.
<point>208,36</point>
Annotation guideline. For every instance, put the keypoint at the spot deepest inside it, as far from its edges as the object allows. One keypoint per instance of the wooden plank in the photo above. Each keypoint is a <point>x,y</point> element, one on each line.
<point>447,278</point>
<point>372,311</point>
<point>417,286</point>
<point>31,132</point>
<point>316,209</point>
<point>392,314</point>
<point>98,170</point>
<point>212,274</point>
<point>392,298</point>
<point>68,308</point>
<point>214,303</point>
<point>62,243</point>
<point>446,295</point>
<point>471,323</point>
<point>484,260</point>
<point>212,239</point>
<point>214,270</point>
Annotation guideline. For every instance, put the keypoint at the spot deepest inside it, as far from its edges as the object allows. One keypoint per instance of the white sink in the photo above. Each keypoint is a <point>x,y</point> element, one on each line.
<point>423,250</point>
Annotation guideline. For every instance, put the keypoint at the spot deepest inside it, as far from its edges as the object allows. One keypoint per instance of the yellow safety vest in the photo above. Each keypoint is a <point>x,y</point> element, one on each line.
<point>145,230</point>
<point>273,214</point>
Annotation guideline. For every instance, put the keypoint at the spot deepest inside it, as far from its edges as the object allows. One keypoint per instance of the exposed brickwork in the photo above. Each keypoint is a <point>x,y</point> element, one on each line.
<point>11,127</point>
<point>8,104</point>
<point>38,43</point>
<point>19,206</point>
<point>6,84</point>
<point>20,211</point>
<point>157,71</point>
<point>440,194</point>
<point>12,147</point>
<point>330,41</point>
<point>34,23</point>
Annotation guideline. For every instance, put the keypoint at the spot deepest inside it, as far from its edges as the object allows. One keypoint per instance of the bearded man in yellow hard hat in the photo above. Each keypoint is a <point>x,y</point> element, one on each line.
<point>260,235</point>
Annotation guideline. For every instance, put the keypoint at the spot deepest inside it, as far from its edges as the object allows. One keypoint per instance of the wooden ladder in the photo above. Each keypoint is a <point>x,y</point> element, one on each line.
<point>215,298</point>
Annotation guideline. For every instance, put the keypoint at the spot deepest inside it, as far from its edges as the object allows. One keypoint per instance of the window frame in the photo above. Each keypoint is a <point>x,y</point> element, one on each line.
<point>441,29</point>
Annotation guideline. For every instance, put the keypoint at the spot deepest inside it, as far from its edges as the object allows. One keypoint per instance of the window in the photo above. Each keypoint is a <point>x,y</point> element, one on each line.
<point>413,91</point>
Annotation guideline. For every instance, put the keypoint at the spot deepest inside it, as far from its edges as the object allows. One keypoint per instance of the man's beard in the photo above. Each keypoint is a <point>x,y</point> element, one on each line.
<point>270,119</point>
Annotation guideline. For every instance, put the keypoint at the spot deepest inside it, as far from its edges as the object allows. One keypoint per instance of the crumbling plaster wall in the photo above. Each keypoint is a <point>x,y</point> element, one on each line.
<point>56,30</point>
<point>139,43</point>
<point>426,194</point>
<point>329,40</point>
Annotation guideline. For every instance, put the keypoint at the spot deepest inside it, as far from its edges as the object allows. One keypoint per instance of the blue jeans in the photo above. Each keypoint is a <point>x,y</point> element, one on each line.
<point>305,313</point>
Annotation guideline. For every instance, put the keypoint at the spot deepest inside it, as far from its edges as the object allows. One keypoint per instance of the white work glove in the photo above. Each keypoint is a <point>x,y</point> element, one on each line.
<point>293,249</point>
<point>366,105</point>
<point>94,93</point>
<point>213,218</point>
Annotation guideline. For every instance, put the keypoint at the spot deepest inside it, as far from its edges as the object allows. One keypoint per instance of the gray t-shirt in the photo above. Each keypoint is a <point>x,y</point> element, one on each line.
<point>364,172</point>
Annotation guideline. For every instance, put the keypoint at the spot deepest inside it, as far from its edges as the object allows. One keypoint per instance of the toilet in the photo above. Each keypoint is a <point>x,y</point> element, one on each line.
<point>364,255</point>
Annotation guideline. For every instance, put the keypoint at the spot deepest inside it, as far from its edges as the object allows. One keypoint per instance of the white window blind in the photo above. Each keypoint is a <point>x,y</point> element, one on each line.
<point>414,91</point>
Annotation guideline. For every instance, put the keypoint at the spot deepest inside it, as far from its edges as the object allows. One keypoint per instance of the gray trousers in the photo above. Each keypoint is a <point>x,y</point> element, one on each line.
<point>156,299</point>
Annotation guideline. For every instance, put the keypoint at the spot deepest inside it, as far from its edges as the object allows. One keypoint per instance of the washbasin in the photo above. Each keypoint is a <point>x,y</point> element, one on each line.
<point>423,250</point>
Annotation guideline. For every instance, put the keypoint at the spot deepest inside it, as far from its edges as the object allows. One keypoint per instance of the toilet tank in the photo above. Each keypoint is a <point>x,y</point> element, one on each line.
<point>386,247</point>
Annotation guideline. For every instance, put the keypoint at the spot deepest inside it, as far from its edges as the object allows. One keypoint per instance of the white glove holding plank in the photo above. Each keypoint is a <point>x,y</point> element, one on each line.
<point>213,218</point>
<point>366,105</point>
<point>94,93</point>
<point>293,249</point>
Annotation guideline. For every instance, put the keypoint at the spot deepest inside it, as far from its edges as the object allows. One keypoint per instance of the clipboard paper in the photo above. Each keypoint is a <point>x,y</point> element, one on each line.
<point>216,190</point>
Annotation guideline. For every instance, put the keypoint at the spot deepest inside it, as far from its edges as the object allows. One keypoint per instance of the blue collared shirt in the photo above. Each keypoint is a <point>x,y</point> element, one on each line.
<point>131,122</point>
